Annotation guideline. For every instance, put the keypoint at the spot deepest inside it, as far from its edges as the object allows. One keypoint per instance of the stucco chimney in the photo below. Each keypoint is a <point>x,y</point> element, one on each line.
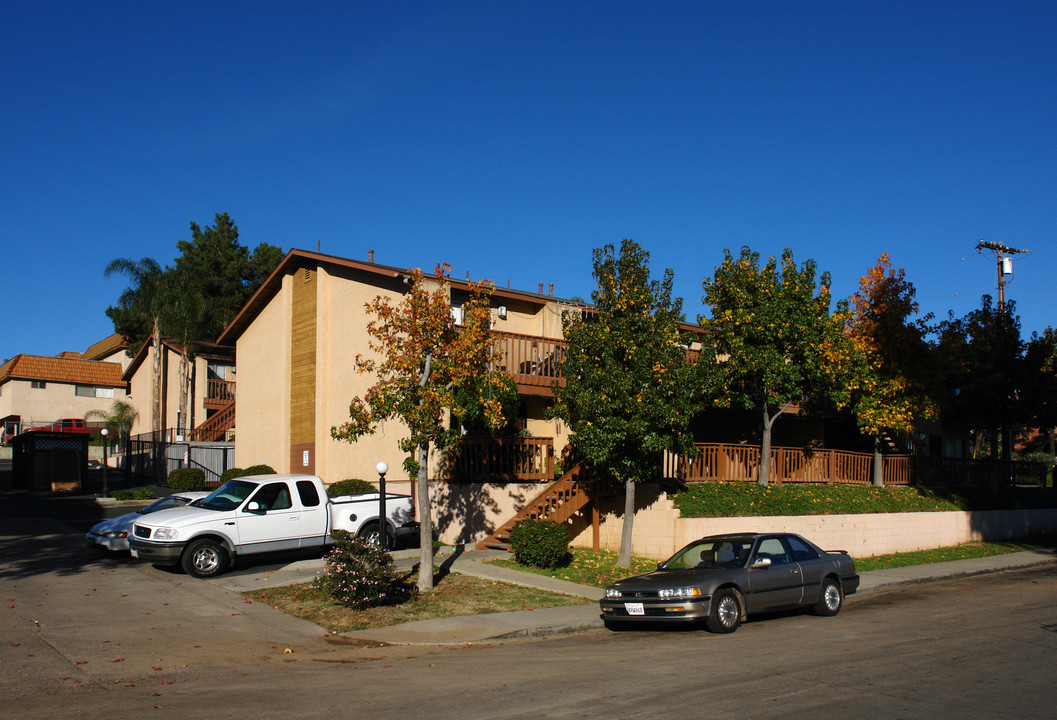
<point>551,290</point>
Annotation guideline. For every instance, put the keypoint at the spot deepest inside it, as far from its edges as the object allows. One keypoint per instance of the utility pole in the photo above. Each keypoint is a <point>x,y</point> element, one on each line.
<point>1005,266</point>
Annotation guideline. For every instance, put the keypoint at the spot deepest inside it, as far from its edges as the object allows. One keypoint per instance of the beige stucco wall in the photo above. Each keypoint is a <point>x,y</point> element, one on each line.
<point>262,410</point>
<point>52,402</point>
<point>467,513</point>
<point>659,531</point>
<point>341,324</point>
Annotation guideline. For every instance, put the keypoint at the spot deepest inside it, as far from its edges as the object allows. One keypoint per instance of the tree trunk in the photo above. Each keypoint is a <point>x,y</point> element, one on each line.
<point>425,529</point>
<point>878,462</point>
<point>765,450</point>
<point>185,363</point>
<point>155,404</point>
<point>624,556</point>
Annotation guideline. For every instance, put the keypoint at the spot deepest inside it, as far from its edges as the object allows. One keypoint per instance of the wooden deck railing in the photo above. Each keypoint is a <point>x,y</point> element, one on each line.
<point>732,463</point>
<point>532,361</point>
<point>497,459</point>
<point>220,392</point>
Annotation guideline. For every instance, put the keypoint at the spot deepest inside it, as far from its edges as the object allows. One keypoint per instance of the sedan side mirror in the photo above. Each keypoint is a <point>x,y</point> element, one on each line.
<point>762,563</point>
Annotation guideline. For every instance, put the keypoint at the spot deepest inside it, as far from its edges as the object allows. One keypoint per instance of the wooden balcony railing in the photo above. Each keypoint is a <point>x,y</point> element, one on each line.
<point>219,393</point>
<point>534,362</point>
<point>504,459</point>
<point>732,463</point>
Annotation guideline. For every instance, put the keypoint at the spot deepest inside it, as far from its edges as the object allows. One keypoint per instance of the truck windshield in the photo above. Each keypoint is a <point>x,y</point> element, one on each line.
<point>228,496</point>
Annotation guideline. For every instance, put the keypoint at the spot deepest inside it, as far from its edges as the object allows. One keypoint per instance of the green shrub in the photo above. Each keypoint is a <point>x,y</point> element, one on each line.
<point>540,543</point>
<point>185,479</point>
<point>236,472</point>
<point>352,486</point>
<point>136,494</point>
<point>359,575</point>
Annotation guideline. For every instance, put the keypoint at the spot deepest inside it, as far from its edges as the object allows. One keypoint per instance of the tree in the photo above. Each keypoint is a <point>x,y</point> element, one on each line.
<point>891,391</point>
<point>185,317</point>
<point>980,357</point>
<point>143,304</point>
<point>421,361</point>
<point>223,271</point>
<point>630,391</point>
<point>119,420</point>
<point>778,343</point>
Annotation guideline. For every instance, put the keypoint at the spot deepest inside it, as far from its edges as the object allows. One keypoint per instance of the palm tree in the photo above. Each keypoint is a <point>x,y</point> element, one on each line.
<point>147,298</point>
<point>185,318</point>
<point>119,421</point>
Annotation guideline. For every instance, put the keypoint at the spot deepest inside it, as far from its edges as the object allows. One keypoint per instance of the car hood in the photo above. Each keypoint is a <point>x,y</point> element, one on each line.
<point>117,524</point>
<point>183,517</point>
<point>674,578</point>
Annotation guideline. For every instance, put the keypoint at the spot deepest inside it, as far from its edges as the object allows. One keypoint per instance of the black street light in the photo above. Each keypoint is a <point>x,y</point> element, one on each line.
<point>104,432</point>
<point>383,523</point>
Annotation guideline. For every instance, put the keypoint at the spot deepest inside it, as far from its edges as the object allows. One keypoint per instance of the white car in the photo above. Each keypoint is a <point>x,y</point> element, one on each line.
<point>113,534</point>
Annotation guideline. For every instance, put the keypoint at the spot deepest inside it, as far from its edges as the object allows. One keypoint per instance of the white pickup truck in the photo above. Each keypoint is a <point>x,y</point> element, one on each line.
<point>262,513</point>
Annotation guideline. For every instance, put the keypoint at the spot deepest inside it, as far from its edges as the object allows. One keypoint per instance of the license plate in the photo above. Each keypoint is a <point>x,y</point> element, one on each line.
<point>134,552</point>
<point>634,608</point>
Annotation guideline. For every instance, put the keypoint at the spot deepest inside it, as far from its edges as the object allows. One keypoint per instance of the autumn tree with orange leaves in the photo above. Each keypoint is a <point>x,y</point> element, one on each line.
<point>779,344</point>
<point>891,393</point>
<point>422,359</point>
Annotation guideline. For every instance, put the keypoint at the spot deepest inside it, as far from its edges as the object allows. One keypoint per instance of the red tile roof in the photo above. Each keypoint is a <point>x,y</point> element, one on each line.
<point>62,369</point>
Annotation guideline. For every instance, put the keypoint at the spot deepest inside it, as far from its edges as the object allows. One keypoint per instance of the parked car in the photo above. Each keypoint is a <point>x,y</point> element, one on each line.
<point>723,579</point>
<point>66,425</point>
<point>113,534</point>
<point>264,513</point>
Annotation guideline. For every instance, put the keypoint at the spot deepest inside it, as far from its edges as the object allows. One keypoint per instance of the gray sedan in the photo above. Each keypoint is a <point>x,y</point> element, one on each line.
<point>722,579</point>
<point>113,534</point>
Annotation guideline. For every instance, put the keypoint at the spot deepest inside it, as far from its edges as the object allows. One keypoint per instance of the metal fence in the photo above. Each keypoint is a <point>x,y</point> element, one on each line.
<point>154,455</point>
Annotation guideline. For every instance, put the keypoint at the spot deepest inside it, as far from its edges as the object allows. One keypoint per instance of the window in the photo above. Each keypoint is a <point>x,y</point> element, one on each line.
<point>307,491</point>
<point>216,371</point>
<point>93,391</point>
<point>38,384</point>
<point>801,551</point>
<point>274,496</point>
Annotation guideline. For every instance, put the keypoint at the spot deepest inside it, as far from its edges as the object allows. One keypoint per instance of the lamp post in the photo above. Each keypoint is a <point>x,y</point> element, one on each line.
<point>383,522</point>
<point>104,432</point>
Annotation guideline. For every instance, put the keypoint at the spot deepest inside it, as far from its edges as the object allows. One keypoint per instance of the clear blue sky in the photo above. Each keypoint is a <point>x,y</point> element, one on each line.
<point>510,139</point>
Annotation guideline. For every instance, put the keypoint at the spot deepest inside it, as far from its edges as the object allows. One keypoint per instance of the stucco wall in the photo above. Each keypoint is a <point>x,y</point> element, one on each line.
<point>467,513</point>
<point>262,408</point>
<point>54,401</point>
<point>659,531</point>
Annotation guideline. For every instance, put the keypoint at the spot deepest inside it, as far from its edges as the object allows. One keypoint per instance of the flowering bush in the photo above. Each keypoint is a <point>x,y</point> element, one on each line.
<point>359,575</point>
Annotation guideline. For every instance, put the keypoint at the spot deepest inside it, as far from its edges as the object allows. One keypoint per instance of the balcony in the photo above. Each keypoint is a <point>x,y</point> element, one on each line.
<point>219,394</point>
<point>534,362</point>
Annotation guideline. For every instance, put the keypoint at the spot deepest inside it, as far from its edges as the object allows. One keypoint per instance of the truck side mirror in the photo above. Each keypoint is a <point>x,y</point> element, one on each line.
<point>255,507</point>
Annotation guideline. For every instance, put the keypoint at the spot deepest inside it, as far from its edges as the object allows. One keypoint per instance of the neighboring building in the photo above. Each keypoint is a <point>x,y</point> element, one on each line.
<point>38,390</point>
<point>297,339</point>
<point>210,388</point>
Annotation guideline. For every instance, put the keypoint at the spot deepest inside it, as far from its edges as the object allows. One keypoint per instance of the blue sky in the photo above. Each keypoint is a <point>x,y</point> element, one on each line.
<point>511,139</point>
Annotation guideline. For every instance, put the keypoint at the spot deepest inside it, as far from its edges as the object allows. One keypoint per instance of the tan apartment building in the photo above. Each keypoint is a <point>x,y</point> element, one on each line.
<point>210,387</point>
<point>37,390</point>
<point>296,343</point>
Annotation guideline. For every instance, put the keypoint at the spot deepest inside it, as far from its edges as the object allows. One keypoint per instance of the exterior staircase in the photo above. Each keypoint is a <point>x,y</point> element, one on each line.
<point>559,501</point>
<point>214,428</point>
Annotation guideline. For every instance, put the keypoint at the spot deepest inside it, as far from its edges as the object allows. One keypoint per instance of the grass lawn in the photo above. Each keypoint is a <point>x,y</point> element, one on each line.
<point>454,595</point>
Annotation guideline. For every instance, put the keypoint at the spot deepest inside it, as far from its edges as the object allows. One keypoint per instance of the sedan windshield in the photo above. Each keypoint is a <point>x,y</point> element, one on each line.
<point>166,503</point>
<point>716,552</point>
<point>228,496</point>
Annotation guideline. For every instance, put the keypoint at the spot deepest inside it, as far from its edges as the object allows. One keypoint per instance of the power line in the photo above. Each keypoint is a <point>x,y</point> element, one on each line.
<point>1005,265</point>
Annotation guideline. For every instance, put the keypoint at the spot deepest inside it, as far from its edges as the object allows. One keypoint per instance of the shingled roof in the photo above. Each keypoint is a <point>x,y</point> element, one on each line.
<point>62,369</point>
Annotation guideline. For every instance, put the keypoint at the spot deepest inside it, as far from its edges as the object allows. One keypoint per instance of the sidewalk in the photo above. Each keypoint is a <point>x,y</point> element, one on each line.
<point>571,619</point>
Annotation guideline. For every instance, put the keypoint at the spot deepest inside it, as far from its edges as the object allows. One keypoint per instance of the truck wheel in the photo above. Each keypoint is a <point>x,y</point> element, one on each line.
<point>204,558</point>
<point>372,536</point>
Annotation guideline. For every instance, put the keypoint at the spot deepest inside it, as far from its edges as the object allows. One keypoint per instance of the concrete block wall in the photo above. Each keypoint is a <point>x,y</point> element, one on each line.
<point>659,531</point>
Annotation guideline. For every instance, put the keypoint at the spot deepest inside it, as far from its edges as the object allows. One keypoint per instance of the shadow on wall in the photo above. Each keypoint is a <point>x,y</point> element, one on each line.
<point>466,513</point>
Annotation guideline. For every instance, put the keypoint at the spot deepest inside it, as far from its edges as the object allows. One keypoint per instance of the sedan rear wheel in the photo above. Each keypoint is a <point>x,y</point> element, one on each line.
<point>831,600</point>
<point>725,615</point>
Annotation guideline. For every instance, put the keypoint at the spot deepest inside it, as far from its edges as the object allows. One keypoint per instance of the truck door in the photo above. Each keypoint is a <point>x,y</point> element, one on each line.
<point>315,523</point>
<point>276,525</point>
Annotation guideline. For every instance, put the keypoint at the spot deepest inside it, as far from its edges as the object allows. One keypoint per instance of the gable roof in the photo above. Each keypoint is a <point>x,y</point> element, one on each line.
<point>297,259</point>
<point>200,348</point>
<point>62,369</point>
<point>105,347</point>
